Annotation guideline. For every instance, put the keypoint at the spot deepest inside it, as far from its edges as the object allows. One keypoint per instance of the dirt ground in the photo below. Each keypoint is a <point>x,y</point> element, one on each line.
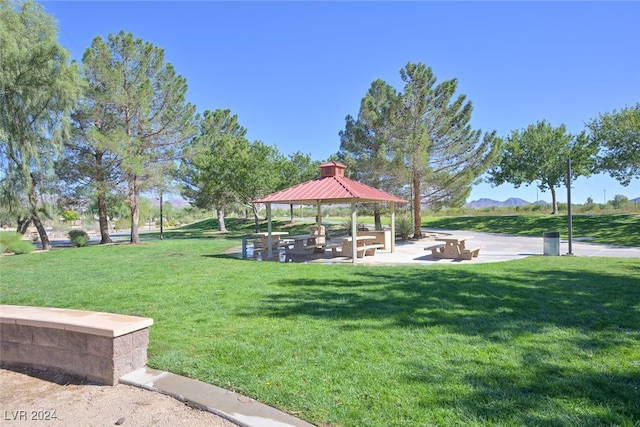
<point>30,397</point>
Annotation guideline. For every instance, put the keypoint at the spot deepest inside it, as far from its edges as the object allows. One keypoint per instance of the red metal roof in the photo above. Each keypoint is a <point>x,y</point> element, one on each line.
<point>331,187</point>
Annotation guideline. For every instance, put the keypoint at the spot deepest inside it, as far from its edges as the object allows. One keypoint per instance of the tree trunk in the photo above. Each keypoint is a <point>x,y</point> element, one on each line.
<point>44,238</point>
<point>377,217</point>
<point>255,217</point>
<point>221,225</point>
<point>417,213</point>
<point>554,201</point>
<point>23,224</point>
<point>33,207</point>
<point>103,220</point>
<point>134,205</point>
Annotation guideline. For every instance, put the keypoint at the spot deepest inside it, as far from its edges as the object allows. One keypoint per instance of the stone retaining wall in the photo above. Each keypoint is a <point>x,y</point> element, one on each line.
<point>100,347</point>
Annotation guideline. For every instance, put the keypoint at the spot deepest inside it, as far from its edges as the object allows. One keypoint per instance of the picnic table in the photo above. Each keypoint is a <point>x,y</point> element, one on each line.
<point>453,248</point>
<point>304,243</point>
<point>263,239</point>
<point>364,246</point>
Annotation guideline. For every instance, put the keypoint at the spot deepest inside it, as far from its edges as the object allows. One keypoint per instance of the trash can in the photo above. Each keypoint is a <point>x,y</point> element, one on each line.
<point>551,243</point>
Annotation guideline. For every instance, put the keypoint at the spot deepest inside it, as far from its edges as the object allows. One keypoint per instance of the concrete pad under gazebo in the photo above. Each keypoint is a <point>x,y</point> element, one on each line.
<point>332,187</point>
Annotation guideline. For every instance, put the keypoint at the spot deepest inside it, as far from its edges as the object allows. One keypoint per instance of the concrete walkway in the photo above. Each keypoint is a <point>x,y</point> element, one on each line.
<point>495,248</point>
<point>234,407</point>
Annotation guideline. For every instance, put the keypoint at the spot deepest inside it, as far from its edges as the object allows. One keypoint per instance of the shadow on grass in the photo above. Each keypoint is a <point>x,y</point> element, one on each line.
<point>502,307</point>
<point>237,229</point>
<point>537,396</point>
<point>469,302</point>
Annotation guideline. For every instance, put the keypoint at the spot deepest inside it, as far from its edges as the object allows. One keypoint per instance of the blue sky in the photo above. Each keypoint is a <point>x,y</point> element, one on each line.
<point>292,70</point>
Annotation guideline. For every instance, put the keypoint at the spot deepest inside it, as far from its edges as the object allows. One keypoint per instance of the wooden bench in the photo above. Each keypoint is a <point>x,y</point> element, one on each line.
<point>100,347</point>
<point>435,248</point>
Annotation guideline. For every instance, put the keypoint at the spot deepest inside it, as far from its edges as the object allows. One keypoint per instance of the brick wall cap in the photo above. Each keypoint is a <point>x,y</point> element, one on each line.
<point>89,322</point>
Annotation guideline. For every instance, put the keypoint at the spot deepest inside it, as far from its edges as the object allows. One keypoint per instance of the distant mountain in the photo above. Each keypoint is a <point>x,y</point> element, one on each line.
<point>636,200</point>
<point>487,203</point>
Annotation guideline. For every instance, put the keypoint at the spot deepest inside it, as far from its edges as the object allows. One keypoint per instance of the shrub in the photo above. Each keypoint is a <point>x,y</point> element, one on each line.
<point>21,247</point>
<point>404,226</point>
<point>122,224</point>
<point>11,241</point>
<point>9,237</point>
<point>346,225</point>
<point>70,215</point>
<point>79,237</point>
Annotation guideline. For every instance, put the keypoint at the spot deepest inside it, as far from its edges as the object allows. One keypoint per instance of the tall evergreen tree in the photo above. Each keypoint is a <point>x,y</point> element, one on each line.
<point>442,155</point>
<point>365,142</point>
<point>90,164</point>
<point>418,138</point>
<point>38,89</point>
<point>146,100</point>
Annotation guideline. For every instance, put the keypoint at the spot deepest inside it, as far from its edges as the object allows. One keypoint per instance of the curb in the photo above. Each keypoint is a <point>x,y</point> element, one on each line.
<point>239,409</point>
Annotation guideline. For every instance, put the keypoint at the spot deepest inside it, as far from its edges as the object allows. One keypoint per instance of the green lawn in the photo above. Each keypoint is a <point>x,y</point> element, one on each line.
<point>623,229</point>
<point>542,341</point>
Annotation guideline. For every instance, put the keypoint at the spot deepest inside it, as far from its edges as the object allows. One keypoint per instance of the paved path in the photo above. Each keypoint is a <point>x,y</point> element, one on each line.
<point>495,247</point>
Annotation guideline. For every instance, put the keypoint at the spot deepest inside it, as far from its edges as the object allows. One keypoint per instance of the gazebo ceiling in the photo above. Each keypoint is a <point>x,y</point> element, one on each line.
<point>332,187</point>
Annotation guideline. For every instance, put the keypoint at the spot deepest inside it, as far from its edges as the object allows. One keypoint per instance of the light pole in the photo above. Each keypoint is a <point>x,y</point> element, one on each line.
<point>569,213</point>
<point>605,198</point>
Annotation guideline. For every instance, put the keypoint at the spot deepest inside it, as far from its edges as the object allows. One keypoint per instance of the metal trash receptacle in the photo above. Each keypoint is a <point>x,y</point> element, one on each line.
<point>551,243</point>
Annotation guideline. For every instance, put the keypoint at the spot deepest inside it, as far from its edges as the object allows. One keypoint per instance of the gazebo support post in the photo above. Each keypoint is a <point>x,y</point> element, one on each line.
<point>354,233</point>
<point>318,216</point>
<point>269,236</point>
<point>393,227</point>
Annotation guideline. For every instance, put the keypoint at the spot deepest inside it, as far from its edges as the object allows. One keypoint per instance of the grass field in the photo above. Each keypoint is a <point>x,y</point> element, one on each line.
<point>551,341</point>
<point>623,229</point>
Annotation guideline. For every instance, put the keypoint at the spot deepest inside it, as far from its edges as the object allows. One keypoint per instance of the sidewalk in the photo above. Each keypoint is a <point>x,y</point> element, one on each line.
<point>495,248</point>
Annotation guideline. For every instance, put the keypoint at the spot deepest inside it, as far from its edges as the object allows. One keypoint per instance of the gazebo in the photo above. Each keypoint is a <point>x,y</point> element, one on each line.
<point>332,187</point>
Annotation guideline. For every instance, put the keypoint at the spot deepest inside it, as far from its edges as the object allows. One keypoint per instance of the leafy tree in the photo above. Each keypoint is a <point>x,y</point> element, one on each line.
<point>295,169</point>
<point>116,206</point>
<point>618,134</point>
<point>38,89</point>
<point>151,119</point>
<point>258,176</point>
<point>71,215</point>
<point>539,153</point>
<point>223,168</point>
<point>437,153</point>
<point>619,201</point>
<point>214,161</point>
